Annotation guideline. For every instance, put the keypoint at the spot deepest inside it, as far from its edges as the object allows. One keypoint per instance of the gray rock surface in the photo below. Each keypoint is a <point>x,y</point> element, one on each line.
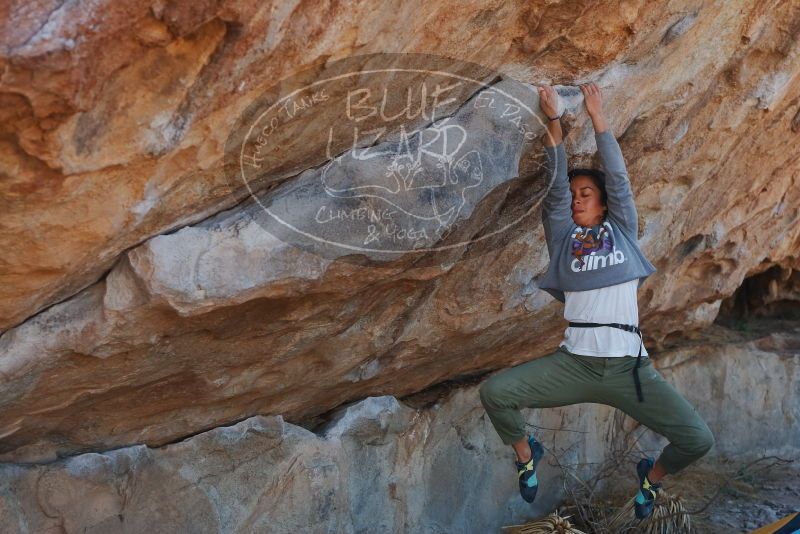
<point>381,465</point>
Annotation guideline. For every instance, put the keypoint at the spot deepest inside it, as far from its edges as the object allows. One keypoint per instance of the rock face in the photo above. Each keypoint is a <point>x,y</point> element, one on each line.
<point>380,465</point>
<point>115,119</point>
<point>141,300</point>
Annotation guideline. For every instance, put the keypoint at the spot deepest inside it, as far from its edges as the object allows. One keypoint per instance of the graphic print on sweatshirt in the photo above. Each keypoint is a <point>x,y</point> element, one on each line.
<point>593,248</point>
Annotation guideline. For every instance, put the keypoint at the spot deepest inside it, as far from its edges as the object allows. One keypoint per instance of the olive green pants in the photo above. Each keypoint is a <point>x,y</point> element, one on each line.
<point>562,378</point>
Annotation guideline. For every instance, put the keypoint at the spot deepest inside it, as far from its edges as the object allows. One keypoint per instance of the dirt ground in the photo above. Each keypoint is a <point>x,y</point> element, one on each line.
<point>725,496</point>
<point>765,492</point>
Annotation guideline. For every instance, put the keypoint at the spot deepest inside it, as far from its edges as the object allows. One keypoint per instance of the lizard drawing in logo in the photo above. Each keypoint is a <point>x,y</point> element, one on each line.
<point>426,176</point>
<point>588,240</point>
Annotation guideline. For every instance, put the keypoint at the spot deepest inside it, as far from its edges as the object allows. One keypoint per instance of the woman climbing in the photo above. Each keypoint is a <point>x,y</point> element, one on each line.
<point>595,269</point>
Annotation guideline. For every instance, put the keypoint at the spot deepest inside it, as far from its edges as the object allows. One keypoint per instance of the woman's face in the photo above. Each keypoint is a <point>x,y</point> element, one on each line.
<point>587,209</point>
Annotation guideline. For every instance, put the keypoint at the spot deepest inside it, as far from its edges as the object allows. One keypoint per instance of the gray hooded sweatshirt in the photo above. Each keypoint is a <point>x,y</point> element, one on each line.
<point>601,255</point>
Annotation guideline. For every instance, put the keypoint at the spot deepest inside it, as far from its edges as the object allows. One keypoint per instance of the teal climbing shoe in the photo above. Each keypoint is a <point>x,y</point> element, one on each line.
<point>526,471</point>
<point>645,498</point>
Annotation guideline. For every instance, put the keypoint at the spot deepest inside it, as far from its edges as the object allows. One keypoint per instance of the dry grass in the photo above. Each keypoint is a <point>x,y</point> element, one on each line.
<point>669,517</point>
<point>553,523</point>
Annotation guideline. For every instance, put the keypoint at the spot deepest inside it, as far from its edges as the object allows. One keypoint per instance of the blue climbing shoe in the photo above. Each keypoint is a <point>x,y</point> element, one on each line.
<point>526,471</point>
<point>645,498</point>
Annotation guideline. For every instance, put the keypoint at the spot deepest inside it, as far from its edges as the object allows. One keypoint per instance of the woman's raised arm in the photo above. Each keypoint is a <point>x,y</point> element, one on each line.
<point>557,204</point>
<point>621,204</point>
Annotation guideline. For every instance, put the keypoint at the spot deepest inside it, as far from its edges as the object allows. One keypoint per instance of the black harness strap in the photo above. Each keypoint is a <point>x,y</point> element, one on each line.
<point>629,328</point>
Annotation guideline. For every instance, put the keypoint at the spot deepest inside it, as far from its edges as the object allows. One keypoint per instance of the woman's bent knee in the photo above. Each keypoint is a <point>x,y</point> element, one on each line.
<point>707,441</point>
<point>702,441</point>
<point>492,391</point>
<point>488,391</point>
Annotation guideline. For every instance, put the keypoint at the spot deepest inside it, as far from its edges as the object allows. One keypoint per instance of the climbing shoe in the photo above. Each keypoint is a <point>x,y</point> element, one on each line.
<point>646,496</point>
<point>526,471</point>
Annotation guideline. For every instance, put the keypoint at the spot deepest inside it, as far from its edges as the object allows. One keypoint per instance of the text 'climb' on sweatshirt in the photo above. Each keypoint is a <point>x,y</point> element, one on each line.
<point>591,257</point>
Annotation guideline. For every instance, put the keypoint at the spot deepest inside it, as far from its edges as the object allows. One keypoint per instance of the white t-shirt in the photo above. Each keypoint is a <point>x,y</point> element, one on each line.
<point>611,304</point>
